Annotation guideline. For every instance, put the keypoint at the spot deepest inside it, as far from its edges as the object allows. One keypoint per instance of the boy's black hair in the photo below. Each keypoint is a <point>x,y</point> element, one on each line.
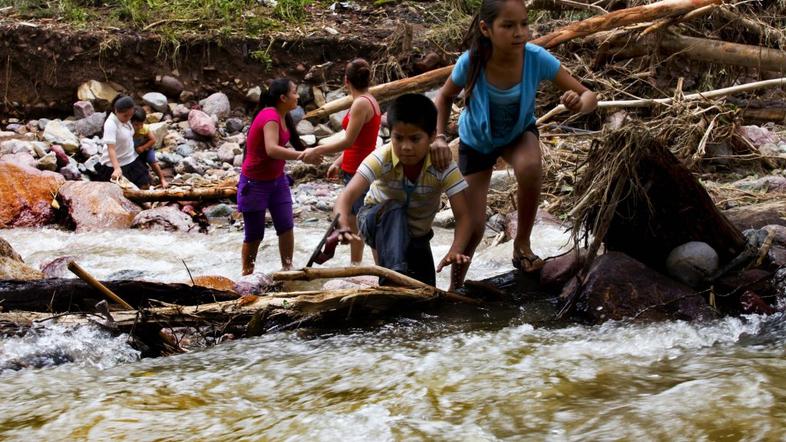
<point>139,115</point>
<point>415,109</point>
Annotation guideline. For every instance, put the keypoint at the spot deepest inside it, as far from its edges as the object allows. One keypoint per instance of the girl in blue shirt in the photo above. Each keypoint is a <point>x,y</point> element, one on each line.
<point>500,74</point>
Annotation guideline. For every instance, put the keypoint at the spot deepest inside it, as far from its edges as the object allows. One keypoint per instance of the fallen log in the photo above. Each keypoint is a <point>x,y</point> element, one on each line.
<point>309,274</point>
<point>650,102</point>
<point>623,17</point>
<point>713,51</point>
<point>63,295</point>
<point>195,194</point>
<point>776,114</point>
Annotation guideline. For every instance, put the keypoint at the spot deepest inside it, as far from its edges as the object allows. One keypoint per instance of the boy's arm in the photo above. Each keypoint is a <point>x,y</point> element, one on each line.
<point>151,141</point>
<point>461,236</point>
<point>343,207</point>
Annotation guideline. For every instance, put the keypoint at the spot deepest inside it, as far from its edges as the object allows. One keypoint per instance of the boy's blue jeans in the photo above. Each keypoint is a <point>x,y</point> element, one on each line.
<point>384,228</point>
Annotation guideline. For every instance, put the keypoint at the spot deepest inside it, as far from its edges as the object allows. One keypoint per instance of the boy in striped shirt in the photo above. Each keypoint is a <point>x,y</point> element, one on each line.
<point>404,195</point>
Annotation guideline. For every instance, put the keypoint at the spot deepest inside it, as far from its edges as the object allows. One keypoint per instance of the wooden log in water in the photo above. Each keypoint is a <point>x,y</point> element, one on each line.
<point>196,194</point>
<point>62,295</point>
<point>613,20</point>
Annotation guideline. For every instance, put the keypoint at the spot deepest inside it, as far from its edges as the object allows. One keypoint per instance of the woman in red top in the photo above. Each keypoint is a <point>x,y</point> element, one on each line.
<point>361,126</point>
<point>263,185</point>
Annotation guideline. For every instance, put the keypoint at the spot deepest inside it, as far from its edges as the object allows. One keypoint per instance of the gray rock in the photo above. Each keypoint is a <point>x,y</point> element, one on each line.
<point>692,262</point>
<point>47,162</point>
<point>180,112</point>
<point>238,161</point>
<point>227,152</point>
<point>234,125</point>
<point>254,94</point>
<point>253,284</point>
<point>40,148</point>
<point>156,100</point>
<point>308,140</point>
<point>305,128</point>
<point>297,114</point>
<point>218,211</point>
<point>502,180</point>
<point>91,125</point>
<point>216,105</point>
<point>189,165</point>
<point>169,85</point>
<point>89,147</point>
<point>42,123</point>
<point>159,131</point>
<point>335,95</point>
<point>445,219</point>
<point>169,158</point>
<point>15,127</point>
<point>166,218</point>
<point>337,118</point>
<point>322,131</point>
<point>56,133</point>
<point>17,146</point>
<point>184,150</point>
<point>21,158</point>
<point>71,172</point>
<point>236,138</point>
<point>83,109</point>
<point>304,93</point>
<point>770,183</point>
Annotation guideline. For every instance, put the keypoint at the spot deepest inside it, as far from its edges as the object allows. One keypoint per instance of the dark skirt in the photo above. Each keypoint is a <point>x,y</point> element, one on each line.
<point>135,171</point>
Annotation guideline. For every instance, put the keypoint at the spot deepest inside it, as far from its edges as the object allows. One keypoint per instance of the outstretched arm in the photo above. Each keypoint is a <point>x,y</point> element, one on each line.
<point>343,207</point>
<point>577,98</point>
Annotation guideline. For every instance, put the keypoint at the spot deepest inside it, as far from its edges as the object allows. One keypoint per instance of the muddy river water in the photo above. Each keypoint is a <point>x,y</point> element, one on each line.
<point>411,379</point>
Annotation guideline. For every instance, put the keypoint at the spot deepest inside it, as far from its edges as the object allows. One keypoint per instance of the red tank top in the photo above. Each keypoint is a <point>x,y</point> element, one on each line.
<point>365,143</point>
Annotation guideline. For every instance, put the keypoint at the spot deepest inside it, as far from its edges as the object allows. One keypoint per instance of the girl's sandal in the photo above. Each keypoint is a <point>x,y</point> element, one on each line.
<point>527,263</point>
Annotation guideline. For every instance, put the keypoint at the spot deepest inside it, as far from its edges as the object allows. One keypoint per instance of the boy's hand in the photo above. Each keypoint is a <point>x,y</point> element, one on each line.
<point>452,258</point>
<point>333,171</point>
<point>572,101</point>
<point>440,153</point>
<point>345,235</point>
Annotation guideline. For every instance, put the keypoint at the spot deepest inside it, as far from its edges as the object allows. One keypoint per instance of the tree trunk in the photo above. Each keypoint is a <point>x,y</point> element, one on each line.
<point>721,52</point>
<point>623,17</point>
<point>198,194</point>
<point>63,295</point>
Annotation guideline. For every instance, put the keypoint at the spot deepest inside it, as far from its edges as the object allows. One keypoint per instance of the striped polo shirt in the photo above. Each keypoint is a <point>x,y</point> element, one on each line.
<point>386,174</point>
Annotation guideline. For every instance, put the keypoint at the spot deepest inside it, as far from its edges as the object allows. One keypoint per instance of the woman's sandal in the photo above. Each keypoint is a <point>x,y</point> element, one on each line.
<point>527,263</point>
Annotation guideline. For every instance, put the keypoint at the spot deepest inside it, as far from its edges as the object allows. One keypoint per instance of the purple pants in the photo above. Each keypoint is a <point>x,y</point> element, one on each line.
<point>255,197</point>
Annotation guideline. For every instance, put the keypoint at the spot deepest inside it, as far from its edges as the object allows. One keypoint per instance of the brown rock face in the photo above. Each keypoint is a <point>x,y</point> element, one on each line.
<point>619,287</point>
<point>26,195</point>
<point>96,205</point>
<point>756,216</point>
<point>12,267</point>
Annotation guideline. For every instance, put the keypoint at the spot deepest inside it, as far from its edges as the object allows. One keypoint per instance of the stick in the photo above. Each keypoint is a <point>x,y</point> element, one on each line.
<point>316,251</point>
<point>592,25</point>
<point>90,280</point>
<point>309,274</point>
<point>692,97</point>
<point>200,194</point>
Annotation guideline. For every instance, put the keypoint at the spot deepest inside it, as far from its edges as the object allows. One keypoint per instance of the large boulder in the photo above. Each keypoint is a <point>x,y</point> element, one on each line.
<point>159,131</point>
<point>26,195</point>
<point>558,271</point>
<point>201,123</point>
<point>166,218</point>
<point>57,133</point>
<point>58,267</point>
<point>169,85</point>
<point>83,109</point>
<point>21,158</point>
<point>216,105</point>
<point>254,284</point>
<point>692,262</point>
<point>91,125</point>
<point>12,267</point>
<point>17,146</point>
<point>156,100</point>
<point>93,90</point>
<point>619,287</point>
<point>227,152</point>
<point>94,205</point>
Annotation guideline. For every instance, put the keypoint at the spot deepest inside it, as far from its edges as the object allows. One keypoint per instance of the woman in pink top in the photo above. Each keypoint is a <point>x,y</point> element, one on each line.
<point>361,127</point>
<point>263,185</point>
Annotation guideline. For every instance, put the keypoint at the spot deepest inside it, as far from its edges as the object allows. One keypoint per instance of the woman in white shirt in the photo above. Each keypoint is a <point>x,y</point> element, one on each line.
<point>119,157</point>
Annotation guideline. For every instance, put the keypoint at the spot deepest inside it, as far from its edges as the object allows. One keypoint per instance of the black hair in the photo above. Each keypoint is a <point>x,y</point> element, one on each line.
<point>415,109</point>
<point>479,45</point>
<point>270,98</point>
<point>358,74</point>
<point>122,103</point>
<point>139,115</point>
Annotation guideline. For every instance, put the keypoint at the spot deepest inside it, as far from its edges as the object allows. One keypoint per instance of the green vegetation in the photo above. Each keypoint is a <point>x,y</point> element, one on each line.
<point>291,10</point>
